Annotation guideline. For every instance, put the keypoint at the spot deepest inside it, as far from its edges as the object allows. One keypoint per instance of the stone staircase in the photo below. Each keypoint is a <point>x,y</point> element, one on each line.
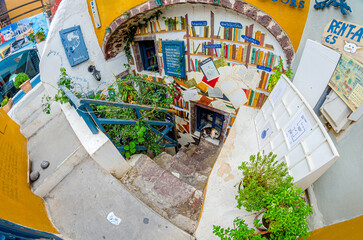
<point>173,185</point>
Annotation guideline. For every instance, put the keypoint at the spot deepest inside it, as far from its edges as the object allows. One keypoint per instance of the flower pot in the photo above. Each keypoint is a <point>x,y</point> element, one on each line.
<point>37,39</point>
<point>8,106</point>
<point>265,225</point>
<point>26,86</point>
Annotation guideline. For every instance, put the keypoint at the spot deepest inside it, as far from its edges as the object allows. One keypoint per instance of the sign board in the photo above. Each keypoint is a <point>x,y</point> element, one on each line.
<point>347,82</point>
<point>344,37</point>
<point>73,43</point>
<point>174,58</point>
<point>199,23</point>
<point>231,25</point>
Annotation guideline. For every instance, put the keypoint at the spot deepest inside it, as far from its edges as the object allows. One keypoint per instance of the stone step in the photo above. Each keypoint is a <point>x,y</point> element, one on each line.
<point>166,194</point>
<point>181,171</point>
<point>190,149</point>
<point>206,153</point>
<point>199,167</point>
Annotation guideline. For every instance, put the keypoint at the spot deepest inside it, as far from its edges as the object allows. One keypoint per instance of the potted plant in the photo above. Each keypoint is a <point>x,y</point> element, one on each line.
<point>6,104</point>
<point>285,214</point>
<point>262,176</point>
<point>22,81</point>
<point>38,37</point>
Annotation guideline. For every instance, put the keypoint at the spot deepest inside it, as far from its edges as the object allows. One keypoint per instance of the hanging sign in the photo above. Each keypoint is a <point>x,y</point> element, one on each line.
<point>344,37</point>
<point>231,25</point>
<point>174,58</point>
<point>199,23</point>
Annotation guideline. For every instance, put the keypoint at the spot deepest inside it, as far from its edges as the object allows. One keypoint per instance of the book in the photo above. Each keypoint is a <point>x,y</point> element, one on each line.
<point>260,60</point>
<point>257,95</point>
<point>253,56</point>
<point>230,34</point>
<point>262,74</point>
<point>262,39</point>
<point>258,35</point>
<point>251,98</point>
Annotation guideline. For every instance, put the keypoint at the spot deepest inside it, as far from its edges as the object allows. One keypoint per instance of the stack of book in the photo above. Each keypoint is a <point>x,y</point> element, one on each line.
<point>176,23</point>
<point>200,31</point>
<point>265,77</point>
<point>255,99</point>
<point>149,28</point>
<point>233,34</point>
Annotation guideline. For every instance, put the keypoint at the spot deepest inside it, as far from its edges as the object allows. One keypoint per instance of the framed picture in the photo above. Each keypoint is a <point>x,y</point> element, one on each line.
<point>74,46</point>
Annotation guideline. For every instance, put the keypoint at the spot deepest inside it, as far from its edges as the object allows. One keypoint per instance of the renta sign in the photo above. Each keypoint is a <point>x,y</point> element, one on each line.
<point>344,37</point>
<point>293,3</point>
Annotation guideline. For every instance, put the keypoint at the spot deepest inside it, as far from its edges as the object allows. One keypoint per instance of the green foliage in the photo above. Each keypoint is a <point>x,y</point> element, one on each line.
<point>278,71</point>
<point>241,231</point>
<point>267,186</point>
<point>20,79</point>
<point>138,90</point>
<point>61,97</point>
<point>39,34</point>
<point>262,176</point>
<point>134,137</point>
<point>5,101</point>
<point>286,214</point>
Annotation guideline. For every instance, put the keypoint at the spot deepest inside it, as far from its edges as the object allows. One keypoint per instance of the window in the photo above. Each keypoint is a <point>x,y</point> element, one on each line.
<point>148,55</point>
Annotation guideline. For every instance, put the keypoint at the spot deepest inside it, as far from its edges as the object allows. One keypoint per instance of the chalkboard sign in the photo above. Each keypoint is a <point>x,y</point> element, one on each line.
<point>174,58</point>
<point>73,43</point>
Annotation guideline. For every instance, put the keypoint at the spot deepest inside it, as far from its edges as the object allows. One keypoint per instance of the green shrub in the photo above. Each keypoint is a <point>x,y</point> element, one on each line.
<point>241,231</point>
<point>286,214</point>
<point>20,79</point>
<point>262,176</point>
<point>5,101</point>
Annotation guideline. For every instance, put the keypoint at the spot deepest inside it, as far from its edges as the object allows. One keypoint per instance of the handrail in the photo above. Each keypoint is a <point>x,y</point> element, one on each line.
<point>84,109</point>
<point>20,6</point>
<point>126,105</point>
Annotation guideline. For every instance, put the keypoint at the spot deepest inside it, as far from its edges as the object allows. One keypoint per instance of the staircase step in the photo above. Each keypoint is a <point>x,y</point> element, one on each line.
<point>206,153</point>
<point>166,194</point>
<point>181,171</point>
<point>191,162</point>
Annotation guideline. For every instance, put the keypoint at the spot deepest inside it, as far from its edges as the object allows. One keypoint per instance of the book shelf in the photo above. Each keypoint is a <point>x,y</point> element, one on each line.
<point>162,31</point>
<point>249,50</point>
<point>231,41</point>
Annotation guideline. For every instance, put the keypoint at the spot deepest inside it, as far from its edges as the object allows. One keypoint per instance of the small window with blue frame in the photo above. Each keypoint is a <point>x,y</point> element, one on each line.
<point>148,56</point>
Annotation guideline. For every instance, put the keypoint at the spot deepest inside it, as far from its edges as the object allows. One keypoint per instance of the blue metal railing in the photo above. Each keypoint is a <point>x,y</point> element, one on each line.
<point>83,108</point>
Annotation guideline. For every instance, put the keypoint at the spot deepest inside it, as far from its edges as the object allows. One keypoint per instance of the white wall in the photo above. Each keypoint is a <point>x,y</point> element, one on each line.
<point>72,13</point>
<point>339,191</point>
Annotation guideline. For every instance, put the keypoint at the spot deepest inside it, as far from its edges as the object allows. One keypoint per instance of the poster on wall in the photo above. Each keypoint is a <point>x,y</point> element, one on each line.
<point>347,81</point>
<point>344,37</point>
<point>174,58</point>
<point>74,46</point>
<point>16,35</point>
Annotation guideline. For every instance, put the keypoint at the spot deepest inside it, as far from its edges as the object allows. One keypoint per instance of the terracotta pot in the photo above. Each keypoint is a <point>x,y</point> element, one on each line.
<point>26,86</point>
<point>7,107</point>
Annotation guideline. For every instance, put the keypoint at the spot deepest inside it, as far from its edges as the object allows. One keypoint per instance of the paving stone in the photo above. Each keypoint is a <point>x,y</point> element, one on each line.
<point>182,171</point>
<point>191,162</point>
